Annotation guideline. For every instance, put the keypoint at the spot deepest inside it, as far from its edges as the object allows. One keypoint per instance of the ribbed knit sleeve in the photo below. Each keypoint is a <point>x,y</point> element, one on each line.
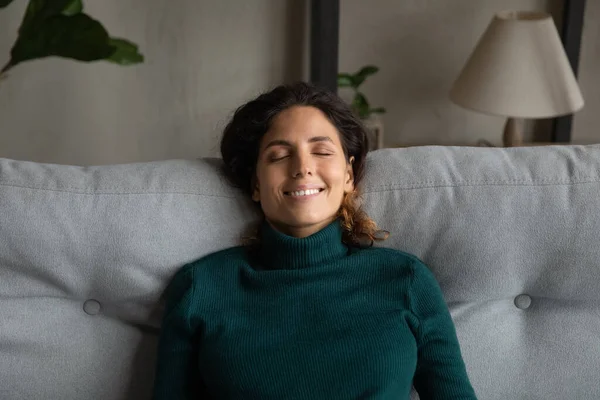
<point>441,372</point>
<point>176,372</point>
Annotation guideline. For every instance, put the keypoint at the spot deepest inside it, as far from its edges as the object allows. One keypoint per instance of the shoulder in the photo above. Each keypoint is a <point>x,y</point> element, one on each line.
<point>405,263</point>
<point>209,267</point>
<point>389,255</point>
<point>218,257</point>
<point>217,261</point>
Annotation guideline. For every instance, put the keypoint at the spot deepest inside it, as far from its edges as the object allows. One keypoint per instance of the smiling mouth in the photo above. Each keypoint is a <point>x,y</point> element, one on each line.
<point>301,193</point>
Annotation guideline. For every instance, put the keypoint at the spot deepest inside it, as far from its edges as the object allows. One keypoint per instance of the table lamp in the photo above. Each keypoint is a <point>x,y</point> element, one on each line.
<point>519,69</point>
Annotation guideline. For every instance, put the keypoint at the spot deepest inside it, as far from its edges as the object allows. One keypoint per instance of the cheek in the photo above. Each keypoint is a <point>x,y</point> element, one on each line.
<point>270,180</point>
<point>335,175</point>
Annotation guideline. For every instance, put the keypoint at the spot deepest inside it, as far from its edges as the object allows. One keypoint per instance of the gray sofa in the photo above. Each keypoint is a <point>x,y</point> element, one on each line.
<point>512,235</point>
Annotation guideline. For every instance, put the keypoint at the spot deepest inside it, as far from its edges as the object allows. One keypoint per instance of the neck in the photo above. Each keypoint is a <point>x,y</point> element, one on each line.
<point>281,251</point>
<point>299,231</point>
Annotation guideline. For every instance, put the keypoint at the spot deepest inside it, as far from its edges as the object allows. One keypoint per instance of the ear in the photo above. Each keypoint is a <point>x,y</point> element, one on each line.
<point>256,193</point>
<point>349,184</point>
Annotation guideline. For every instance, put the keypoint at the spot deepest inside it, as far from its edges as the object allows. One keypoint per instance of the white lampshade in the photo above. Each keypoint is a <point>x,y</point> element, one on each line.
<point>519,69</point>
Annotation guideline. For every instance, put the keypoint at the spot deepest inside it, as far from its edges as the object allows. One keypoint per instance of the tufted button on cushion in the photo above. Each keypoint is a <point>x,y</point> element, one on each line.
<point>92,307</point>
<point>523,301</point>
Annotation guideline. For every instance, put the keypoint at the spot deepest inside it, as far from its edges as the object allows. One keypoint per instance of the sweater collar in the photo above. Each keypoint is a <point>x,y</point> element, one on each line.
<point>280,251</point>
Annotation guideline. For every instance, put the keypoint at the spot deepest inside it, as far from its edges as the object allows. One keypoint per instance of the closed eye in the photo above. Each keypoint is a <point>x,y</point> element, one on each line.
<point>323,154</point>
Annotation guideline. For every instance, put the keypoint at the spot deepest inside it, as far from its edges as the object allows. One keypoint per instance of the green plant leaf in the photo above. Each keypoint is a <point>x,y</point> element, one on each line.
<point>367,70</point>
<point>358,80</point>
<point>60,28</point>
<point>126,53</point>
<point>75,7</point>
<point>360,100</point>
<point>78,37</point>
<point>360,105</point>
<point>345,80</point>
<point>377,110</point>
<point>4,3</point>
<point>39,10</point>
<point>364,72</point>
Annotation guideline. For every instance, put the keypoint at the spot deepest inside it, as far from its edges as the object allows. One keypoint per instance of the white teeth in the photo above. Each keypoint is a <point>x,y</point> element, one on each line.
<point>304,192</point>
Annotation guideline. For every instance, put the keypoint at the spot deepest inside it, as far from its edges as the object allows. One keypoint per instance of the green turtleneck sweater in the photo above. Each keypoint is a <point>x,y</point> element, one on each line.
<point>308,318</point>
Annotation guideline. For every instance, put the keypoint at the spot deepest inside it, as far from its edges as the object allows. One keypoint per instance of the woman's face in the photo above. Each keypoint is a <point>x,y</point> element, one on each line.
<point>302,172</point>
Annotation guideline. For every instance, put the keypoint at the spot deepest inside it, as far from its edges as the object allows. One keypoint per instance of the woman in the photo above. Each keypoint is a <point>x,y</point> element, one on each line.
<point>309,310</point>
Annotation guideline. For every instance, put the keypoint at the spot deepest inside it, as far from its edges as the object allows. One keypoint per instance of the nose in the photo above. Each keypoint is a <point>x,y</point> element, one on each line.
<point>302,166</point>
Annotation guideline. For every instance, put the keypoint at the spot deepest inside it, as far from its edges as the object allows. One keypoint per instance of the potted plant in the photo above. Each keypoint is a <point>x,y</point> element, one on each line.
<point>361,105</point>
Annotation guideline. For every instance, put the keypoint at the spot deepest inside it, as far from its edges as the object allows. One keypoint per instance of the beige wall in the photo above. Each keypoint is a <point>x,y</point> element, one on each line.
<point>206,57</point>
<point>203,58</point>
<point>420,47</point>
<point>585,122</point>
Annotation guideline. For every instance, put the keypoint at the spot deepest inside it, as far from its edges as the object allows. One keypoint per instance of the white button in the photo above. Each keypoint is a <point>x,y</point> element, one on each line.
<point>92,307</point>
<point>523,301</point>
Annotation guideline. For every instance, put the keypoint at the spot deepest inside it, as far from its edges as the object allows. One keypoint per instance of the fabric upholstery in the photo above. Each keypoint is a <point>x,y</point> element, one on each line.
<point>510,234</point>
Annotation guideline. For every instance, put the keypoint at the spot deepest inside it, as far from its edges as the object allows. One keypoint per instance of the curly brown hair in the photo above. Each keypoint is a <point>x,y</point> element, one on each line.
<point>242,136</point>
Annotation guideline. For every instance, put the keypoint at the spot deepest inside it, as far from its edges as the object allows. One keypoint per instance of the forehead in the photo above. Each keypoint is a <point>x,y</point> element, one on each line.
<point>299,124</point>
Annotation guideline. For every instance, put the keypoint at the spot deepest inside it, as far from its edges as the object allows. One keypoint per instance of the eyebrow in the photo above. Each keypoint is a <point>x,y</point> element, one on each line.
<point>280,142</point>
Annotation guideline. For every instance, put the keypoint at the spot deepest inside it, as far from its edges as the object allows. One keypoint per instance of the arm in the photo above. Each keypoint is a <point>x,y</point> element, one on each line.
<point>441,372</point>
<point>176,371</point>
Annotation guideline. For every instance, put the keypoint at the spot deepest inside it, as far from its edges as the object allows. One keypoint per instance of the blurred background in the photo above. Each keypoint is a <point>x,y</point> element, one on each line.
<point>204,58</point>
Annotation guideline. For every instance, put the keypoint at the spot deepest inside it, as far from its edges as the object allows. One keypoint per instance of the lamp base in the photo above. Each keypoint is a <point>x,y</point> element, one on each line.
<point>513,135</point>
